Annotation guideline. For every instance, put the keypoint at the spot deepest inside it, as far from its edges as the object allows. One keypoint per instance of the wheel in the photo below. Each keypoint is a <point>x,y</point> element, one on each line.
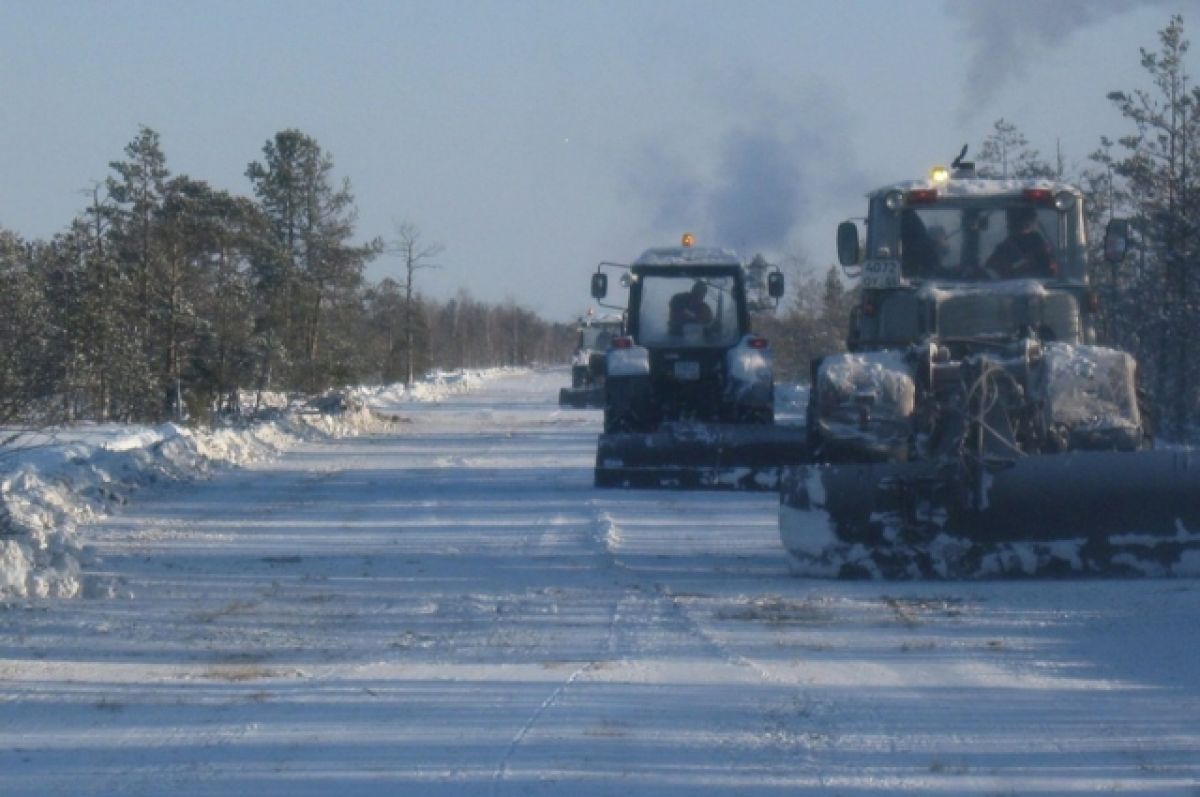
<point>812,428</point>
<point>616,422</point>
<point>757,416</point>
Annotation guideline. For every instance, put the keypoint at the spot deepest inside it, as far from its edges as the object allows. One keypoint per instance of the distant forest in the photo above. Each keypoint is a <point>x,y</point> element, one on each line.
<point>166,298</point>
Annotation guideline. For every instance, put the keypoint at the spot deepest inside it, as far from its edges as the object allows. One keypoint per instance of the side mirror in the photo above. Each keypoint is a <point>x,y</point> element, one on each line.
<point>775,284</point>
<point>599,285</point>
<point>847,244</point>
<point>1116,240</point>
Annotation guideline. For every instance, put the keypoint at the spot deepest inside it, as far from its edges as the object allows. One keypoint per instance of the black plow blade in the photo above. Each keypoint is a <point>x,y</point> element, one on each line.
<point>702,457</point>
<point>581,397</point>
<point>1135,513</point>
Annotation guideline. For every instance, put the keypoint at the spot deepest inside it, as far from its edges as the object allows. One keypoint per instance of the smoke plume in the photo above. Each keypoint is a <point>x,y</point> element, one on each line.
<point>760,184</point>
<point>1008,36</point>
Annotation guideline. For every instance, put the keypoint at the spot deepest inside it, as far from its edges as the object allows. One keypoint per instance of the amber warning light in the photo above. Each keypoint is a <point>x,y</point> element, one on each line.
<point>688,239</point>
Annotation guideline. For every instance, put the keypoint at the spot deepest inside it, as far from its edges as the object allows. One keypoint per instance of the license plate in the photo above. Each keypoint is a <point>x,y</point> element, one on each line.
<point>687,370</point>
<point>881,274</point>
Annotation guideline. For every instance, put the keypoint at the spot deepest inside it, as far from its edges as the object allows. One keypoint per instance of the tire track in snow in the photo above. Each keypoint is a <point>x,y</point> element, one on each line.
<point>602,537</point>
<point>609,537</point>
<point>502,768</point>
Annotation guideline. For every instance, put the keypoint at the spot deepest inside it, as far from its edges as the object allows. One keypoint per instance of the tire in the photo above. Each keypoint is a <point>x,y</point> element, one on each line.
<point>628,405</point>
<point>579,377</point>
<point>617,422</point>
<point>812,429</point>
<point>755,416</point>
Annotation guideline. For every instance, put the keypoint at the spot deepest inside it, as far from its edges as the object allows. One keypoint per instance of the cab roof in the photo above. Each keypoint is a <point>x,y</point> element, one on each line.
<point>962,187</point>
<point>688,256</point>
<point>607,319</point>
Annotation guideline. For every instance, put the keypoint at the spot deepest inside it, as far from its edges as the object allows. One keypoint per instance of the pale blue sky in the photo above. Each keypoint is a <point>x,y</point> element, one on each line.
<point>534,139</point>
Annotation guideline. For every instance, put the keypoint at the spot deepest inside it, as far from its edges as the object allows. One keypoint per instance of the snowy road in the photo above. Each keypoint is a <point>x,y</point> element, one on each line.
<point>452,609</point>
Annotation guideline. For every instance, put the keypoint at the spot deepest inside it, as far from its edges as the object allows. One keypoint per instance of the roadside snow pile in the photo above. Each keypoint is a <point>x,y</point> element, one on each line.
<point>53,480</point>
<point>59,479</point>
<point>435,387</point>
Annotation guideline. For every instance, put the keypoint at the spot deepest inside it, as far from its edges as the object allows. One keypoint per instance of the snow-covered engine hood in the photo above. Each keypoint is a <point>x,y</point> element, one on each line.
<point>1091,390</point>
<point>751,373</point>
<point>865,399</point>
<point>998,309</point>
<point>634,361</point>
<point>747,364</point>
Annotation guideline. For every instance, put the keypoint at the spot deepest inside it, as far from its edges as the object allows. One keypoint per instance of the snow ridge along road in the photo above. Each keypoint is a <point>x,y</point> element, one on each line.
<point>451,609</point>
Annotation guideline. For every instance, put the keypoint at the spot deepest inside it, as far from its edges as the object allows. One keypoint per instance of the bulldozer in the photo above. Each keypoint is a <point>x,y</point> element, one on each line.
<point>587,363</point>
<point>689,388</point>
<point>976,426</point>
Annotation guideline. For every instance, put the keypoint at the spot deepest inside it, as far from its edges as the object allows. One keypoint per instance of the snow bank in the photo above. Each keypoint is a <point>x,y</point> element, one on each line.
<point>434,387</point>
<point>51,481</point>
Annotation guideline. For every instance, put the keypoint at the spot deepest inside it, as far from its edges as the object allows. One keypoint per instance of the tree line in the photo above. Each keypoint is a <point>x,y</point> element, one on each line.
<point>168,298</point>
<point>1150,301</point>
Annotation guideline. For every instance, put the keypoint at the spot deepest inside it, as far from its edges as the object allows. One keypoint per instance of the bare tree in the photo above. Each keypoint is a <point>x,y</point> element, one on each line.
<point>416,255</point>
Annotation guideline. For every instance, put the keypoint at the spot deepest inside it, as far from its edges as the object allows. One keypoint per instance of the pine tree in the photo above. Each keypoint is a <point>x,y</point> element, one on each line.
<point>1006,154</point>
<point>26,366</point>
<point>308,264</point>
<point>1159,171</point>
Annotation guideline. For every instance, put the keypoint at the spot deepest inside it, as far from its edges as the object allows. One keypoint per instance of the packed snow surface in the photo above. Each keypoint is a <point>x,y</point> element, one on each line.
<point>446,606</point>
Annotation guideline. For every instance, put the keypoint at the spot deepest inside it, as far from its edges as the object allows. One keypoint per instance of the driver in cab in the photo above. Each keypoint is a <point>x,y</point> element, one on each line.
<point>1025,252</point>
<point>689,307</point>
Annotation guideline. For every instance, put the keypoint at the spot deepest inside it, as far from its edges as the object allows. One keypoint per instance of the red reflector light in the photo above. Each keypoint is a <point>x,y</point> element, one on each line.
<point>1093,302</point>
<point>1040,196</point>
<point>919,196</point>
<point>622,343</point>
<point>757,343</point>
<point>868,307</point>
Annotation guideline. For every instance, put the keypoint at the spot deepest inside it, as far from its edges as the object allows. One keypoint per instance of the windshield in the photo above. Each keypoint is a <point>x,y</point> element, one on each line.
<point>688,311</point>
<point>596,337</point>
<point>980,239</point>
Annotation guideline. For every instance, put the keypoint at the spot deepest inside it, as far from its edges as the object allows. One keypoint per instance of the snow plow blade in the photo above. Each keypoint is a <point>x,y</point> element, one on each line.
<point>581,398</point>
<point>1081,512</point>
<point>706,457</point>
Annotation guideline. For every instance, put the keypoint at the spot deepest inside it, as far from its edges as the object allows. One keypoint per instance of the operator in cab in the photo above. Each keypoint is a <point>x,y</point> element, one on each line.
<point>1025,252</point>
<point>689,307</point>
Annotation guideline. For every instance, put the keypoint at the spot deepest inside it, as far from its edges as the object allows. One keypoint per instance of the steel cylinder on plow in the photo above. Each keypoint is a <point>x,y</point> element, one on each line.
<point>1131,513</point>
<point>1093,494</point>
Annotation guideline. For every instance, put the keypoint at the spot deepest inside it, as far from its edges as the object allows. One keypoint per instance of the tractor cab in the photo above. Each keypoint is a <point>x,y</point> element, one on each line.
<point>958,256</point>
<point>689,393</point>
<point>687,305</point>
<point>968,229</point>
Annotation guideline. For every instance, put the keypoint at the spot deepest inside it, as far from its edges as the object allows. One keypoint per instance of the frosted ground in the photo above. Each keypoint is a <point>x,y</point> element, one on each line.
<point>443,605</point>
